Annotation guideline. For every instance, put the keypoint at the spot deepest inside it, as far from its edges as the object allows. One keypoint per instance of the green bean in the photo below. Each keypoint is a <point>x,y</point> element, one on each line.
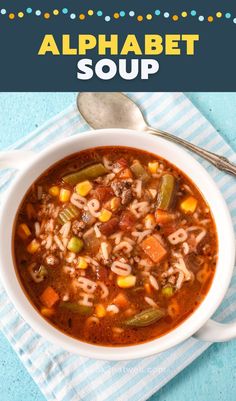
<point>167,291</point>
<point>166,194</point>
<point>69,213</point>
<point>76,308</point>
<point>90,172</point>
<point>139,171</point>
<point>145,318</point>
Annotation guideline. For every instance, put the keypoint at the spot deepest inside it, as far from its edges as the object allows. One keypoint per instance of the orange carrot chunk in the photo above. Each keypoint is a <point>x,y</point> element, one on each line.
<point>49,297</point>
<point>152,247</point>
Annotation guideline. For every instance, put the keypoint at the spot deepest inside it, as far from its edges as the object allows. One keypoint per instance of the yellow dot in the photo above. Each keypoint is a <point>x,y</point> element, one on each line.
<point>82,17</point>
<point>184,14</point>
<point>90,12</point>
<point>219,14</point>
<point>46,15</point>
<point>20,14</point>
<point>210,18</point>
<point>11,16</point>
<point>175,17</point>
<point>116,15</point>
<point>139,18</point>
<point>55,12</point>
<point>149,16</point>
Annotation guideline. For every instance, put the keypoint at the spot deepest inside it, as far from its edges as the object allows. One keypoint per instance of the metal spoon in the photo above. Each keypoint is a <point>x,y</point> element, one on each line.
<point>116,110</point>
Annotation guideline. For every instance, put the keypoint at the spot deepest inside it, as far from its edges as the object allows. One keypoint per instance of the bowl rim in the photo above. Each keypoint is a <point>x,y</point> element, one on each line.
<point>143,141</point>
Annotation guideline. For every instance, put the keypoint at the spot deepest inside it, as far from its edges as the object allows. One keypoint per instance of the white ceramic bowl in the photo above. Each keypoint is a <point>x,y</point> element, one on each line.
<point>198,323</point>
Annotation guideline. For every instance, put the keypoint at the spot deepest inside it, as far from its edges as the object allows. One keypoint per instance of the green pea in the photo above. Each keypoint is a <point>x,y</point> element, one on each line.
<point>75,245</point>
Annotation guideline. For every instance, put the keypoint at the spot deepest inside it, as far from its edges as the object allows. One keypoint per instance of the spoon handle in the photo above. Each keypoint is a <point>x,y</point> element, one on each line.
<point>221,162</point>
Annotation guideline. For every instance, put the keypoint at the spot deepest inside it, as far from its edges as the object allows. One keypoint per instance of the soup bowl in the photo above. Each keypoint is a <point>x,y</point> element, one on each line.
<point>32,165</point>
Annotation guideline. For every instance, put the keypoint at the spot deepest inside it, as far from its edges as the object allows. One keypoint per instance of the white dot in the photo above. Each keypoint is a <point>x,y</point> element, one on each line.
<point>131,13</point>
<point>72,16</point>
<point>234,20</point>
<point>201,18</point>
<point>166,15</point>
<point>37,12</point>
<point>3,11</point>
<point>107,18</point>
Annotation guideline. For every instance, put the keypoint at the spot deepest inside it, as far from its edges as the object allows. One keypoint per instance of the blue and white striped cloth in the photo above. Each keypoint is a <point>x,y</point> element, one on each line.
<point>63,376</point>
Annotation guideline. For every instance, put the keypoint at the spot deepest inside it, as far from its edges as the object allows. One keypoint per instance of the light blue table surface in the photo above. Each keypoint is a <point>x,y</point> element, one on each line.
<point>212,377</point>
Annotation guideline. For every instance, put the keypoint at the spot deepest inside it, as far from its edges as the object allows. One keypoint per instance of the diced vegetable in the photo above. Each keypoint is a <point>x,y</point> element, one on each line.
<point>145,318</point>
<point>23,231</point>
<point>100,310</point>
<point>139,171</point>
<point>87,173</point>
<point>82,263</point>
<point>163,217</point>
<point>38,273</point>
<point>189,205</point>
<point>69,213</point>
<point>87,218</point>
<point>149,221</point>
<point>152,247</point>
<point>75,244</point>
<point>121,300</point>
<point>83,188</point>
<point>33,246</point>
<point>152,167</point>
<point>148,288</point>
<point>103,193</point>
<point>54,191</point>
<point>126,281</point>
<point>76,308</point>
<point>109,227</point>
<point>125,174</point>
<point>167,291</point>
<point>47,312</point>
<point>127,221</point>
<point>64,195</point>
<point>115,204</point>
<point>105,215</point>
<point>49,297</point>
<point>166,193</point>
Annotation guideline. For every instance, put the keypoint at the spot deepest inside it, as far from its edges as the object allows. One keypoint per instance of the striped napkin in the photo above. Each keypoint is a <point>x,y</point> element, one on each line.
<point>66,377</point>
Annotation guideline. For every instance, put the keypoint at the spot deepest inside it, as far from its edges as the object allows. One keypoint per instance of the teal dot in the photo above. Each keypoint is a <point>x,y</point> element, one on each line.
<point>65,11</point>
<point>107,18</point>
<point>131,13</point>
<point>29,10</point>
<point>227,15</point>
<point>38,13</point>
<point>122,13</point>
<point>193,13</point>
<point>157,12</point>
<point>166,15</point>
<point>99,13</point>
<point>72,16</point>
<point>3,11</point>
<point>201,18</point>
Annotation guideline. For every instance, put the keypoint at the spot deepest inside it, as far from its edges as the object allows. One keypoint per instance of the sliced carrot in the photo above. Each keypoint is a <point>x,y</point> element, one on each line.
<point>152,247</point>
<point>163,217</point>
<point>121,300</point>
<point>126,173</point>
<point>49,297</point>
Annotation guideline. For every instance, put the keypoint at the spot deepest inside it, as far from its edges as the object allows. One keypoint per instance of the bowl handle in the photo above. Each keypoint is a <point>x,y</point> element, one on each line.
<point>15,158</point>
<point>216,332</point>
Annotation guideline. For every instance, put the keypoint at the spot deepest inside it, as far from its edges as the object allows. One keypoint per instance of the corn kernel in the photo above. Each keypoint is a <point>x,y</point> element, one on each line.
<point>189,205</point>
<point>82,263</point>
<point>83,188</point>
<point>105,215</point>
<point>47,312</point>
<point>64,195</point>
<point>54,190</point>
<point>152,167</point>
<point>126,281</point>
<point>149,221</point>
<point>23,231</point>
<point>115,204</point>
<point>33,246</point>
<point>100,311</point>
